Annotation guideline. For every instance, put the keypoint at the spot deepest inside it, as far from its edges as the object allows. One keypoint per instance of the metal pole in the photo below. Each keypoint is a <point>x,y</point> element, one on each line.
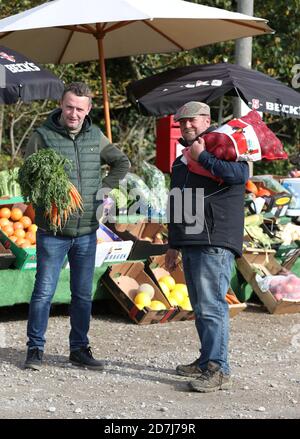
<point>243,57</point>
<point>243,49</point>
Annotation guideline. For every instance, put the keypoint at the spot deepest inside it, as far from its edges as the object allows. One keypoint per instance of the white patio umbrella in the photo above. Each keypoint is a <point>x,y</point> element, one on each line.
<point>67,31</point>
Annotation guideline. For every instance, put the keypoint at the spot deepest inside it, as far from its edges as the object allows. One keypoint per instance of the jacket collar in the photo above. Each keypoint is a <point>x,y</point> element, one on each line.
<point>183,142</point>
<point>53,122</point>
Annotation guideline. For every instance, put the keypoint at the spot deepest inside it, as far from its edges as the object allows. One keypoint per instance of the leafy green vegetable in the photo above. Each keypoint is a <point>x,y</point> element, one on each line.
<point>45,183</point>
<point>8,183</point>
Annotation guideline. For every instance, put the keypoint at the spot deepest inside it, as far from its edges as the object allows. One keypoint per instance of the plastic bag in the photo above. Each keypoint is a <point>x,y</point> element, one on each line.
<point>282,287</point>
<point>136,189</point>
<point>155,180</point>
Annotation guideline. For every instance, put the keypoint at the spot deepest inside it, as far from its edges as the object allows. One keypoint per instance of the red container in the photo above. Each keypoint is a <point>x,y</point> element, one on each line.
<point>167,145</point>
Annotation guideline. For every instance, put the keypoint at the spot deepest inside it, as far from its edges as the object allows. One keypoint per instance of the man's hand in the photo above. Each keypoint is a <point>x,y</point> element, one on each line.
<point>171,259</point>
<point>196,148</point>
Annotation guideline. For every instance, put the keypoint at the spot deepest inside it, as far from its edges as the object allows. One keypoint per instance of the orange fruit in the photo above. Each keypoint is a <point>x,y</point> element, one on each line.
<point>31,237</point>
<point>16,214</point>
<point>19,233</point>
<point>4,222</point>
<point>8,230</point>
<point>25,244</point>
<point>18,225</point>
<point>32,228</point>
<point>13,238</point>
<point>26,221</point>
<point>19,241</point>
<point>4,212</point>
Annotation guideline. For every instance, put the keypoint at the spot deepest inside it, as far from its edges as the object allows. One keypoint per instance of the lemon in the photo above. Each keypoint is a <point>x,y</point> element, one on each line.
<point>146,288</point>
<point>178,296</point>
<point>182,288</point>
<point>169,281</point>
<point>157,305</point>
<point>164,288</point>
<point>172,301</point>
<point>186,304</point>
<point>142,299</point>
<point>139,306</point>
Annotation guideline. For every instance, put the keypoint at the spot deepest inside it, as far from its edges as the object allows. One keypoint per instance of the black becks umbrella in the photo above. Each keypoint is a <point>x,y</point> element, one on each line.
<point>164,93</point>
<point>21,78</point>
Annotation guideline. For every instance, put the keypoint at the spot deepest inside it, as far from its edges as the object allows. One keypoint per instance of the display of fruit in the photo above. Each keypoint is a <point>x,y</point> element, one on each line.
<point>18,227</point>
<point>176,293</point>
<point>186,304</point>
<point>164,289</point>
<point>148,289</point>
<point>168,280</point>
<point>142,299</point>
<point>157,305</point>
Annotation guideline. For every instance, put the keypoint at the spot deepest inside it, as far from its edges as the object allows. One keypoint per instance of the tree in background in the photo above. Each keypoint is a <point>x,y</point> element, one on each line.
<point>272,54</point>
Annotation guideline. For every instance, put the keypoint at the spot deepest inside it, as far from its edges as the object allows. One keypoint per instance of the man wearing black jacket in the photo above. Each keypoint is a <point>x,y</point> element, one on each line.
<point>208,251</point>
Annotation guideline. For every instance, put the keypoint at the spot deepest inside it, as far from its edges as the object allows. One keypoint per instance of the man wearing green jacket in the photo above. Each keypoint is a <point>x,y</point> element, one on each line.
<point>70,132</point>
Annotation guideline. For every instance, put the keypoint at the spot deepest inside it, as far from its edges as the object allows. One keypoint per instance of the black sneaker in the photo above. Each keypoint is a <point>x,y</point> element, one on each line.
<point>189,370</point>
<point>83,357</point>
<point>34,359</point>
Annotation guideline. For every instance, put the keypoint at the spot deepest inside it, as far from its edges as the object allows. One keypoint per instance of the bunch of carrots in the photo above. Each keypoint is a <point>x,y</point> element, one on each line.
<point>57,218</point>
<point>231,299</point>
<point>45,183</point>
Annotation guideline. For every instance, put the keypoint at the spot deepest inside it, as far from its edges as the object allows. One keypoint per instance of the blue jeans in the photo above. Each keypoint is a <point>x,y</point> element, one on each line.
<point>208,273</point>
<point>51,253</point>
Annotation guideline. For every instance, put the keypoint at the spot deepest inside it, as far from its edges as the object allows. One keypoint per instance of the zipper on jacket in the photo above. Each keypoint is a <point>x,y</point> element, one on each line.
<point>208,235</point>
<point>78,176</point>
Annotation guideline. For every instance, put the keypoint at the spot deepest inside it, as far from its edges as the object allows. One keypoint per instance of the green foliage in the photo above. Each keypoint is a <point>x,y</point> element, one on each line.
<point>44,181</point>
<point>8,183</point>
<point>6,162</point>
<point>272,54</point>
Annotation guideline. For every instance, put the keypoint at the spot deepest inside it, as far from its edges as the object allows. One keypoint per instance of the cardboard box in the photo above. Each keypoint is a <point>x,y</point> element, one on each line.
<point>156,269</point>
<point>265,263</point>
<point>110,247</point>
<point>25,257</point>
<point>235,308</point>
<point>6,257</point>
<point>137,233</point>
<point>122,280</point>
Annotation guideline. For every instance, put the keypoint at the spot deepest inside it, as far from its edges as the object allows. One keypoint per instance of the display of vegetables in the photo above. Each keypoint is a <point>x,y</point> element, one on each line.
<point>9,185</point>
<point>45,183</point>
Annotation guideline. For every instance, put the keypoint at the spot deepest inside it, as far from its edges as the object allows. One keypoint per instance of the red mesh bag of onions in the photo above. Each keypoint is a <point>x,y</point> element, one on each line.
<point>245,139</point>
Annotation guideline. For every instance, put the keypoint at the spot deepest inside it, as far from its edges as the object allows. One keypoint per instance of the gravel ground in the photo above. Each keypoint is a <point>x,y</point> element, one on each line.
<point>139,380</point>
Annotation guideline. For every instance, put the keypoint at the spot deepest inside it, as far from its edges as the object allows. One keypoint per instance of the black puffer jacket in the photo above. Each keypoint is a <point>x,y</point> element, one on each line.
<point>221,218</point>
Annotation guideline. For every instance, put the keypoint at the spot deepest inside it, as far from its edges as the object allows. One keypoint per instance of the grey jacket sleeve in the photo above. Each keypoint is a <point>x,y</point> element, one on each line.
<point>118,162</point>
<point>34,143</point>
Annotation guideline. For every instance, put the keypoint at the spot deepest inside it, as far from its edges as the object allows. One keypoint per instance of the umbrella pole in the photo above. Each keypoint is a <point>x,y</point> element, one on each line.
<point>104,88</point>
<point>220,115</point>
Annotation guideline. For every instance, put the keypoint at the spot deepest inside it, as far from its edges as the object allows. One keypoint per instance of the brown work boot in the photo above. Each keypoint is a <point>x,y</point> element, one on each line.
<point>189,370</point>
<point>211,380</point>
